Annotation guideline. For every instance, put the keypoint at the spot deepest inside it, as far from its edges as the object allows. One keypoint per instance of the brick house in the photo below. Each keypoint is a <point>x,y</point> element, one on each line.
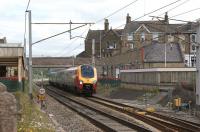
<point>155,55</point>
<point>107,42</point>
<point>142,44</point>
<point>140,33</point>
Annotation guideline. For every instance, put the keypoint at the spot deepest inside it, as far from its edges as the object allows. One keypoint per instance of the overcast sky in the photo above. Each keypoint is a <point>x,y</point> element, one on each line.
<point>12,23</point>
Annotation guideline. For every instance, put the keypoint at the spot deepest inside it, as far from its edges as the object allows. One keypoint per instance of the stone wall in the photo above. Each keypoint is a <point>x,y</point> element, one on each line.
<point>8,111</point>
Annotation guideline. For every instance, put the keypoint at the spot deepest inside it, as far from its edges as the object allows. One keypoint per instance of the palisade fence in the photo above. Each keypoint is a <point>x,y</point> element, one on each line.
<point>113,82</point>
<point>12,83</point>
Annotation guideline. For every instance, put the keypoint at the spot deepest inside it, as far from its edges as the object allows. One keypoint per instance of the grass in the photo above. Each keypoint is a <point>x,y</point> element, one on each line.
<point>32,118</point>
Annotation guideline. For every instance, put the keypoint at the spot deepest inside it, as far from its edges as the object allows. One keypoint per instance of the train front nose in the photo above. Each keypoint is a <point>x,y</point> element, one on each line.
<point>87,88</point>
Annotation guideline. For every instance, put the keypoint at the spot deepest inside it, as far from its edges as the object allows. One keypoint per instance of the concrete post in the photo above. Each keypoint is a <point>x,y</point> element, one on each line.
<point>30,55</point>
<point>20,71</point>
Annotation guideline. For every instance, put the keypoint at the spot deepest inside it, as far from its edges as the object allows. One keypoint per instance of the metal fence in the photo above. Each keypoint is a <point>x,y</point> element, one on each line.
<point>113,82</point>
<point>12,83</point>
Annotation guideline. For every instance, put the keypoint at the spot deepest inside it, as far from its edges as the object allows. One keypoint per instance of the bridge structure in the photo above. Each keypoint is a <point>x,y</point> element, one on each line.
<point>58,62</point>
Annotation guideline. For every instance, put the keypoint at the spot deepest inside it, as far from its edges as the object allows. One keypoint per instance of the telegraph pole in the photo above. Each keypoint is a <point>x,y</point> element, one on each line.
<point>198,66</point>
<point>93,52</point>
<point>30,55</point>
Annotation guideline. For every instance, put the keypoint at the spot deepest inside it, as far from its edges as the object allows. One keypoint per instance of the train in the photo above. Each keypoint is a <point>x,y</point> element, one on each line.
<point>81,79</point>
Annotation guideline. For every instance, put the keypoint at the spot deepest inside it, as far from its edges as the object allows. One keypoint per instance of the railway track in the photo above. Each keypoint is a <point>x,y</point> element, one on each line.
<point>104,119</point>
<point>161,122</point>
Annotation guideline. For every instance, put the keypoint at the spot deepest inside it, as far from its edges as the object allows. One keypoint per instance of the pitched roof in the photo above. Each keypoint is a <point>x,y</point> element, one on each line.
<point>84,54</point>
<point>118,32</point>
<point>156,53</point>
<point>95,34</point>
<point>159,26</point>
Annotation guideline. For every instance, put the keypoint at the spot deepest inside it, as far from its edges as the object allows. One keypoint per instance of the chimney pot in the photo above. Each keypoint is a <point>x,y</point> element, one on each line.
<point>166,18</point>
<point>128,18</point>
<point>106,25</point>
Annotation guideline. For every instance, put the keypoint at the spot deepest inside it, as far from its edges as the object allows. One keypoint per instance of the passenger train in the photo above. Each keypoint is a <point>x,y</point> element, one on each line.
<point>81,79</point>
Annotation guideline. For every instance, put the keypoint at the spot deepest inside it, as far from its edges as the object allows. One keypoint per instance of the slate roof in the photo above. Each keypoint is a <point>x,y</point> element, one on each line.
<point>159,26</point>
<point>156,53</point>
<point>95,34</point>
<point>84,54</point>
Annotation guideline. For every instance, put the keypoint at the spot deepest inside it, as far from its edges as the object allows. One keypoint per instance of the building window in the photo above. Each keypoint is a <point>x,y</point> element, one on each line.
<point>131,46</point>
<point>155,36</point>
<point>142,37</point>
<point>115,45</point>
<point>193,38</point>
<point>193,48</point>
<point>107,45</point>
<point>129,36</point>
<point>193,61</point>
<point>111,45</point>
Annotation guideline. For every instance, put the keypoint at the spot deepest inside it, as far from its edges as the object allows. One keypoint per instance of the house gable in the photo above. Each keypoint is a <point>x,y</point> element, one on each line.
<point>142,28</point>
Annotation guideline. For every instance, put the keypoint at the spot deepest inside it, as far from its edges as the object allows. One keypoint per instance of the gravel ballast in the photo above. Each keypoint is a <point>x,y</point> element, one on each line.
<point>66,119</point>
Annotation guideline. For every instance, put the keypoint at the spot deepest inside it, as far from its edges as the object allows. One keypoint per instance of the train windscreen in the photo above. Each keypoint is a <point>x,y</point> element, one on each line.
<point>87,71</point>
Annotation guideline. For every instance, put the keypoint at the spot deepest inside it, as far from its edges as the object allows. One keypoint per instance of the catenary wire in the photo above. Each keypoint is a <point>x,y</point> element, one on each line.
<point>116,11</point>
<point>151,11</point>
<point>174,7</point>
<point>28,4</point>
<point>185,12</point>
<point>107,17</point>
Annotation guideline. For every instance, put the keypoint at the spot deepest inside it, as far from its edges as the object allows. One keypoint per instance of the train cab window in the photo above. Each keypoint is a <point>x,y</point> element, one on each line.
<point>87,71</point>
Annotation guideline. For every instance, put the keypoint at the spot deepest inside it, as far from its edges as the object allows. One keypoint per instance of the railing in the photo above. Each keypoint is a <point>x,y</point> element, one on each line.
<point>12,83</point>
<point>114,82</point>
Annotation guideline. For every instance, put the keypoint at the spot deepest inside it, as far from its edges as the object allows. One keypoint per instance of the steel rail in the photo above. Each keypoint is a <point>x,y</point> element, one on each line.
<point>161,125</point>
<point>95,122</point>
<point>182,125</point>
<point>121,121</point>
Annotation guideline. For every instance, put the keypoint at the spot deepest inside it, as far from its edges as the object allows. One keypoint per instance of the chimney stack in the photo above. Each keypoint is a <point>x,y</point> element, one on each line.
<point>3,40</point>
<point>166,18</point>
<point>128,18</point>
<point>106,25</point>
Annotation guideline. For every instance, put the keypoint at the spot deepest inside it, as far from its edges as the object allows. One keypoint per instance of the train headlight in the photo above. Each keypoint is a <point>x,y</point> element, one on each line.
<point>81,82</point>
